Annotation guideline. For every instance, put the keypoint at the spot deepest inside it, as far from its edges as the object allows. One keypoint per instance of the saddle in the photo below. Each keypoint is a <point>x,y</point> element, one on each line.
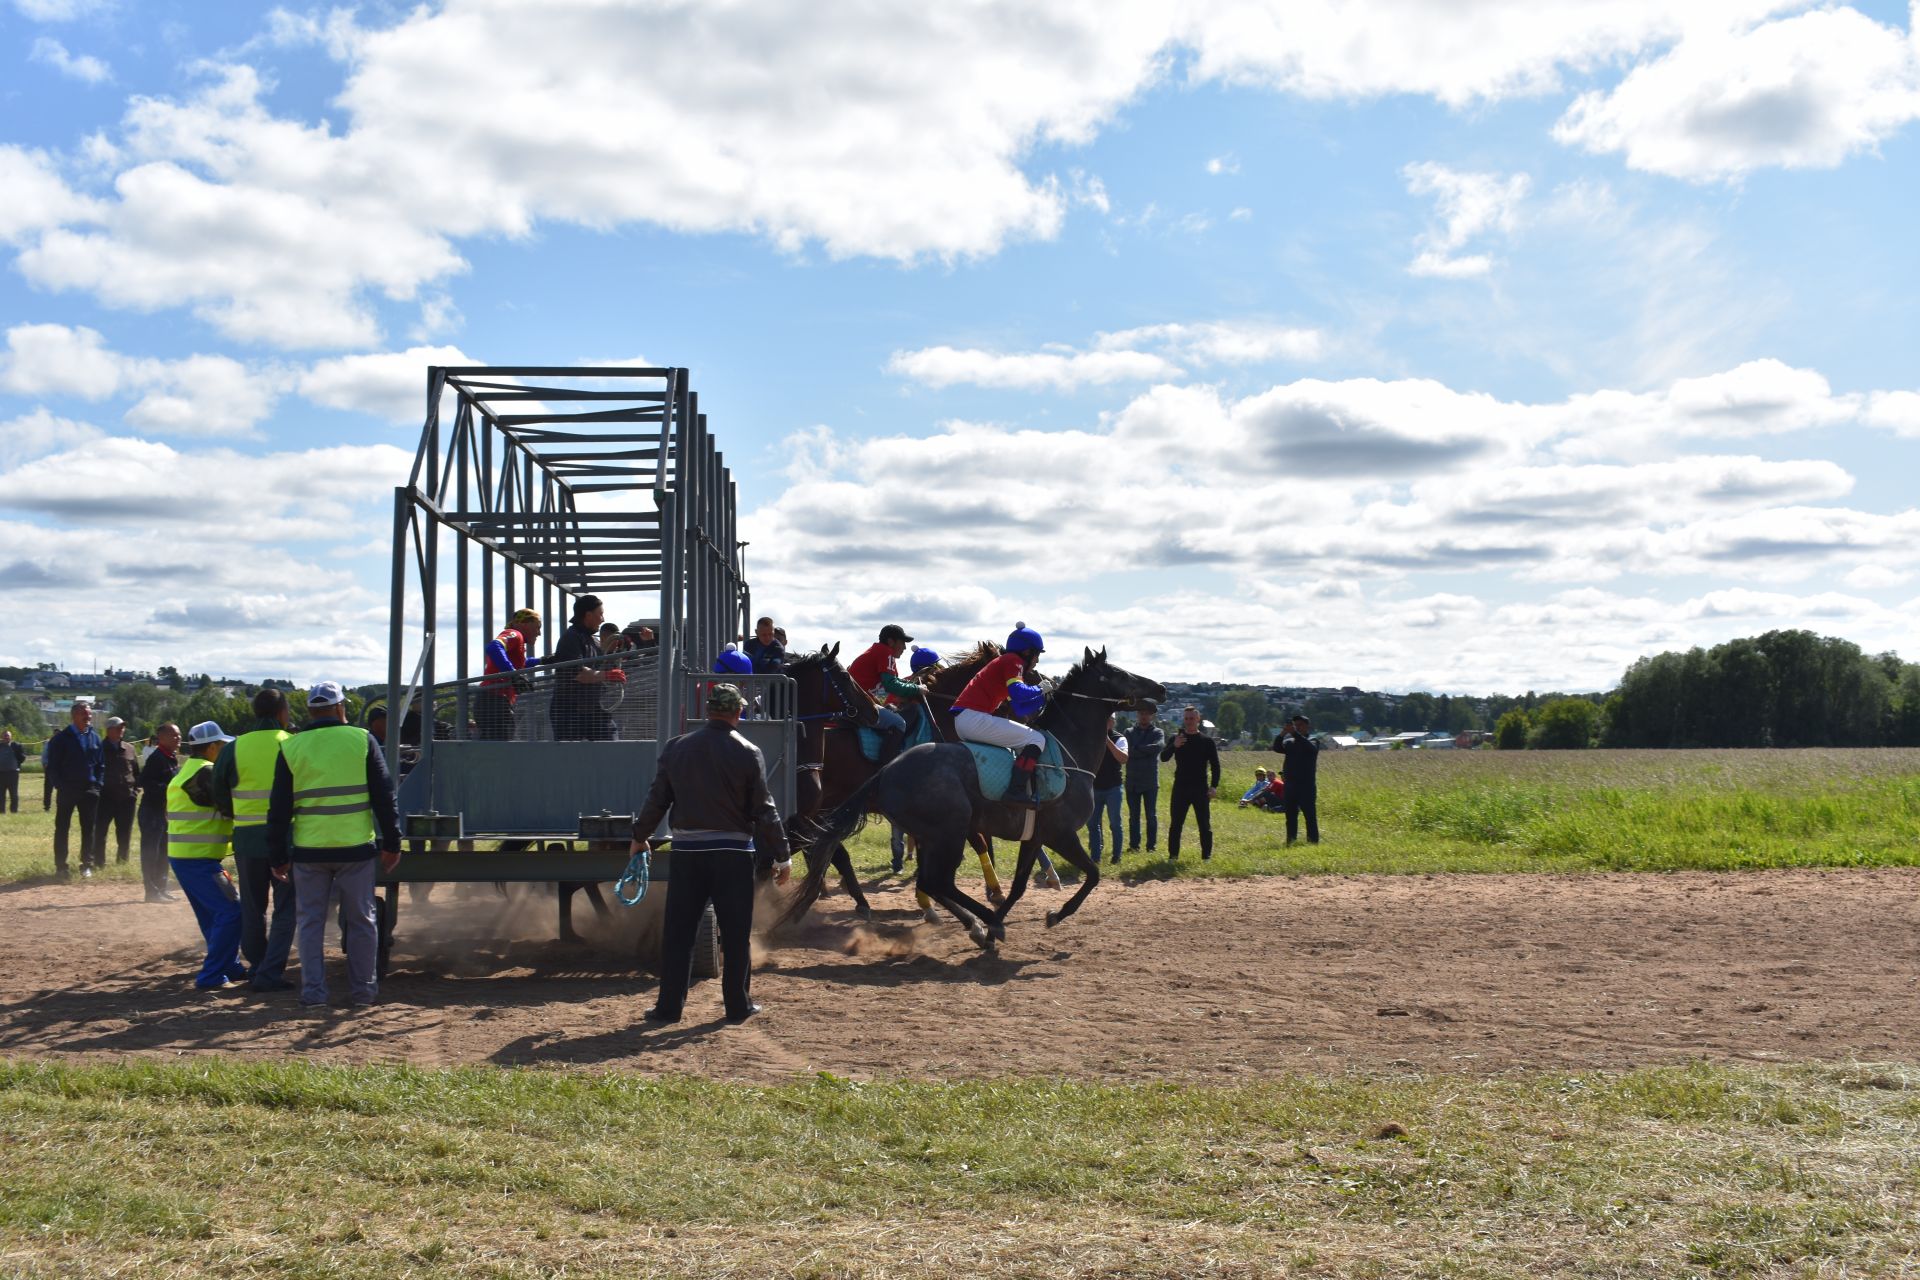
<point>995,767</point>
<point>919,730</point>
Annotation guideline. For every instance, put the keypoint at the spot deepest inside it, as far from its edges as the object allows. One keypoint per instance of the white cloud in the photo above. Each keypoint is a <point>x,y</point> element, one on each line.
<point>1457,52</point>
<point>40,432</point>
<point>1226,164</point>
<point>1469,205</point>
<point>1803,92</point>
<point>1145,354</point>
<point>1897,411</point>
<point>1029,371</point>
<point>929,135</point>
<point>85,68</point>
<point>59,10</point>
<point>37,196</point>
<point>196,395</point>
<point>386,384</point>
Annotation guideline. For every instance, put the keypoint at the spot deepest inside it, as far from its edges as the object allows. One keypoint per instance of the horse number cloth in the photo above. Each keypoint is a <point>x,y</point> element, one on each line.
<point>995,765</point>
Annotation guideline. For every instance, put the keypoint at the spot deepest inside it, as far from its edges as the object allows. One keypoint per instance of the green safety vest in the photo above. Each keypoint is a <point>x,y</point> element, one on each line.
<point>331,809</point>
<point>254,755</point>
<point>193,831</point>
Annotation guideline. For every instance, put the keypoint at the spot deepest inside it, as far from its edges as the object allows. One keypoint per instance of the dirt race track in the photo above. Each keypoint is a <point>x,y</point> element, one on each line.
<point>1198,980</point>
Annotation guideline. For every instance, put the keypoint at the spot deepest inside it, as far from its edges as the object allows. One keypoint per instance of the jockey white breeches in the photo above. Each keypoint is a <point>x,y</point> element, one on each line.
<point>978,726</point>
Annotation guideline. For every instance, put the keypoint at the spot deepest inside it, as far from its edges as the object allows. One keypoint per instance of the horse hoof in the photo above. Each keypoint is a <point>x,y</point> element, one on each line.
<point>981,938</point>
<point>1053,918</point>
<point>930,916</point>
<point>866,914</point>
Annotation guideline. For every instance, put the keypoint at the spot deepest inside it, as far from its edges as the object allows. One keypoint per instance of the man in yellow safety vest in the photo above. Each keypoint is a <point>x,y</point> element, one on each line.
<point>330,815</point>
<point>242,785</point>
<point>198,838</point>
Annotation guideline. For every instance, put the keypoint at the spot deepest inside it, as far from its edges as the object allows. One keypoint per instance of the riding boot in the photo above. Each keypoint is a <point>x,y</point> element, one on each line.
<point>1026,777</point>
<point>891,740</point>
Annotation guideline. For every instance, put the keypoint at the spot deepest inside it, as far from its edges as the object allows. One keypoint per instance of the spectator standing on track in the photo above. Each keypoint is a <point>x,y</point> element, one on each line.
<point>119,791</point>
<point>76,768</point>
<point>1300,761</point>
<point>156,773</point>
<point>1144,743</point>
<point>242,789</point>
<point>766,651</point>
<point>12,756</point>
<point>332,813</point>
<point>506,660</point>
<point>198,839</point>
<point>576,712</point>
<point>1196,774</point>
<point>713,783</point>
<point>1106,793</point>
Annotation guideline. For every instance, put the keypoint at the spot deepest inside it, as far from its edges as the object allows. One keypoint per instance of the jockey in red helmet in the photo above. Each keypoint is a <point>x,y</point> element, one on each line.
<point>1000,680</point>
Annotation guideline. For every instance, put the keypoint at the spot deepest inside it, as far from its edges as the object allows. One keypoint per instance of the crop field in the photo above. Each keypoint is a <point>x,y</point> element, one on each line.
<point>1709,1072</point>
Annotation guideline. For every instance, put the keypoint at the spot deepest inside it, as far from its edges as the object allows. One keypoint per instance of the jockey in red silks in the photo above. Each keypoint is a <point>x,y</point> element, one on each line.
<point>1000,680</point>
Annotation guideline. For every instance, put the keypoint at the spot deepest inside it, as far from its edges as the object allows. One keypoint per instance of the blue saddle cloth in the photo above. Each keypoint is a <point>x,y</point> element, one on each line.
<point>919,730</point>
<point>995,765</point>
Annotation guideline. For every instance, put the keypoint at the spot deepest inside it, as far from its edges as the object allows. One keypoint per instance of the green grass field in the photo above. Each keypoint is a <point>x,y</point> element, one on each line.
<point>1430,811</point>
<point>262,1169</point>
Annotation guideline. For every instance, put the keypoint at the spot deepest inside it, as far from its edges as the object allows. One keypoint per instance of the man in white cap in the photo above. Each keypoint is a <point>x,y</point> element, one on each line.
<point>198,838</point>
<point>332,813</point>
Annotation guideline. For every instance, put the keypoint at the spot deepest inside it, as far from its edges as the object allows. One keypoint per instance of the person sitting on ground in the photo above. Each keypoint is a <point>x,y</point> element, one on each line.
<point>999,681</point>
<point>1274,798</point>
<point>764,649</point>
<point>1253,792</point>
<point>877,672</point>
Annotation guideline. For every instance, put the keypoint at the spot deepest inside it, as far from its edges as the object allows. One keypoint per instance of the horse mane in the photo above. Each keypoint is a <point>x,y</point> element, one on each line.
<point>818,658</point>
<point>983,651</point>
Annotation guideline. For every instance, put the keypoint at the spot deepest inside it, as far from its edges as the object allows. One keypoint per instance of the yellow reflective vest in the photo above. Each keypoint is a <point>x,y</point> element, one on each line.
<point>194,831</point>
<point>254,755</point>
<point>331,808</point>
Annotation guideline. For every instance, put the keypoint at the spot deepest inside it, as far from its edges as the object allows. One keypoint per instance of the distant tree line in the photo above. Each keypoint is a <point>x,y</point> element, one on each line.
<point>1781,689</point>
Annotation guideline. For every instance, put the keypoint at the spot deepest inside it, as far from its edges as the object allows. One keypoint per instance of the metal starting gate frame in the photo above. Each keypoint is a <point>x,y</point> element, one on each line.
<point>553,483</point>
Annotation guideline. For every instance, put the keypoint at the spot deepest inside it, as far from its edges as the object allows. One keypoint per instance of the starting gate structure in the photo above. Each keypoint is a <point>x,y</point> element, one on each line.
<point>548,484</point>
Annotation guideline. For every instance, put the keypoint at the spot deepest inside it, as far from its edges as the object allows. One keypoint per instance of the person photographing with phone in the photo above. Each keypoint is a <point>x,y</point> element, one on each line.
<point>1196,776</point>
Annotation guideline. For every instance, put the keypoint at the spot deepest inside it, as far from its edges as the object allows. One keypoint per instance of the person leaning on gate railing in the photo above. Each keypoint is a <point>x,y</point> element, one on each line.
<point>576,712</point>
<point>506,667</point>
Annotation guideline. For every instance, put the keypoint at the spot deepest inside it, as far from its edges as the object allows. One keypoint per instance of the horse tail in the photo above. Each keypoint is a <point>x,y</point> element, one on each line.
<point>828,830</point>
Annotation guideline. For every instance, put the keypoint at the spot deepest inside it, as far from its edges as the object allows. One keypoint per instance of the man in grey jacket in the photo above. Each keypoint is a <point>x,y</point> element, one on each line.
<point>714,783</point>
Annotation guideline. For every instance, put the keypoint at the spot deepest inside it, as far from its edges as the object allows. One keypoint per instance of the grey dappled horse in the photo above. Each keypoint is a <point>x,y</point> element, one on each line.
<point>933,792</point>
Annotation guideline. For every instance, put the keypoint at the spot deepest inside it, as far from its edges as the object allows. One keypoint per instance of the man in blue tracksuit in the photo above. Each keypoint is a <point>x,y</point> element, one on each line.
<point>1144,741</point>
<point>77,770</point>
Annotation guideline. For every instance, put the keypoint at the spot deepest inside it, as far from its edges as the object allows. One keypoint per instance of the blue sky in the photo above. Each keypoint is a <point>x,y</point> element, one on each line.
<point>1468,346</point>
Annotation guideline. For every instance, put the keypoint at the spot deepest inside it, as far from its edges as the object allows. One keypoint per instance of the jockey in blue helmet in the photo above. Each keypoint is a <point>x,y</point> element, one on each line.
<point>1000,680</point>
<point>732,662</point>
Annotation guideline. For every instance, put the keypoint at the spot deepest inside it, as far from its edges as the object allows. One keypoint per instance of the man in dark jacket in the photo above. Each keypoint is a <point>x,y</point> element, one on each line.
<point>1196,774</point>
<point>161,764</point>
<point>120,768</point>
<point>1300,759</point>
<point>12,756</point>
<point>76,769</point>
<point>1106,793</point>
<point>714,784</point>
<point>1144,744</point>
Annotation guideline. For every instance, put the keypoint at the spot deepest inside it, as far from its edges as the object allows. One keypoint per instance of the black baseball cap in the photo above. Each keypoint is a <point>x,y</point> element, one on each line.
<point>894,631</point>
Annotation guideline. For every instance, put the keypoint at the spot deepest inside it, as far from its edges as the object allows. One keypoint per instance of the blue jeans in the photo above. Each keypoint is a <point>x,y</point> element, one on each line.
<point>1106,801</point>
<point>889,719</point>
<point>217,907</point>
<point>1150,799</point>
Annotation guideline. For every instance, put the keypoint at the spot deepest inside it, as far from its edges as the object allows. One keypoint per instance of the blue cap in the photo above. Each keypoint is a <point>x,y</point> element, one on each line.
<point>923,657</point>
